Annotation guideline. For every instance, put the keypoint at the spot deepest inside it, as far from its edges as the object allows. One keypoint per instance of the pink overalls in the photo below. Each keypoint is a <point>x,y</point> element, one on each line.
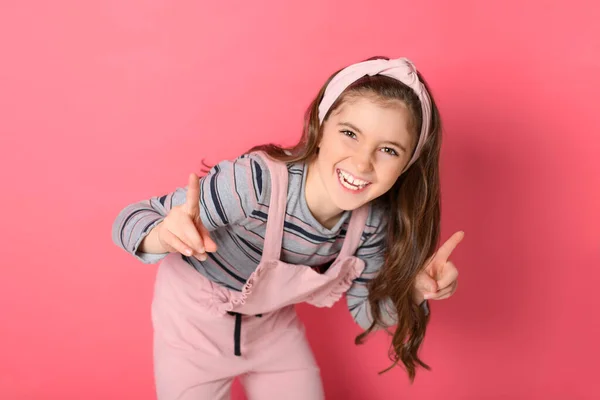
<point>199,343</point>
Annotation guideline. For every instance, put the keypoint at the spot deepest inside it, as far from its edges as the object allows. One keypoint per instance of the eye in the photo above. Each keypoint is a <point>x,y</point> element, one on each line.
<point>350,134</point>
<point>390,151</point>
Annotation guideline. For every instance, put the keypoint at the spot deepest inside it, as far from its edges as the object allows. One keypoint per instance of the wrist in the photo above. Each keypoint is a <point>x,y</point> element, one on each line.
<point>151,244</point>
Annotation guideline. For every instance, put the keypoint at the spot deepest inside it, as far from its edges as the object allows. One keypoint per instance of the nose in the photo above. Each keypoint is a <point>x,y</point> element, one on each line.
<point>363,162</point>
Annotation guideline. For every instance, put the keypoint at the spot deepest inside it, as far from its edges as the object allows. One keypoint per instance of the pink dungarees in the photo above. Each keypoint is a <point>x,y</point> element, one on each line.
<point>199,343</point>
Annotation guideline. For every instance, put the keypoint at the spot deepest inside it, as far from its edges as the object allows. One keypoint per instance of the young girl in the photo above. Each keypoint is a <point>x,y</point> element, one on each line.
<point>353,208</point>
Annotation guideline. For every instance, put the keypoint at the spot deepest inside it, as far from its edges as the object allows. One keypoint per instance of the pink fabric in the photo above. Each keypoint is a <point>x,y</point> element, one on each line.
<point>401,69</point>
<point>194,348</point>
<point>280,284</point>
<point>193,342</point>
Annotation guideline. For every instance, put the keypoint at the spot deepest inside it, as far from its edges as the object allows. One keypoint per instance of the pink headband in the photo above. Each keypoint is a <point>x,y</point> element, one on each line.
<point>401,69</point>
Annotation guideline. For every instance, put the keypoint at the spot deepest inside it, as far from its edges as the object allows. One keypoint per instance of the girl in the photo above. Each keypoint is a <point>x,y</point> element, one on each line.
<point>353,208</point>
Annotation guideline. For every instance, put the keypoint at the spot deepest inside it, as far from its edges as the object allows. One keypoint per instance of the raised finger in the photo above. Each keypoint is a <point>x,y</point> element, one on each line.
<point>192,197</point>
<point>448,247</point>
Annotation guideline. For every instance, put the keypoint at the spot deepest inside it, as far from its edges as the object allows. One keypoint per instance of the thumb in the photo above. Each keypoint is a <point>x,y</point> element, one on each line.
<point>426,284</point>
<point>209,244</point>
<point>448,275</point>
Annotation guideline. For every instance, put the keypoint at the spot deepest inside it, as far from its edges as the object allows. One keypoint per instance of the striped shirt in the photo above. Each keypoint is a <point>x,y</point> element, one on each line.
<point>234,205</point>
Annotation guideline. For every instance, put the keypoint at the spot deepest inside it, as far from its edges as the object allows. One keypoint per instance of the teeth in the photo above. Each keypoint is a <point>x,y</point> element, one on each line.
<point>350,182</point>
<point>353,180</point>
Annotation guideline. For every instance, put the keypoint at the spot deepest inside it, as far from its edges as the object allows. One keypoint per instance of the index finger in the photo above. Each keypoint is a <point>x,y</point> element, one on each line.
<point>192,196</point>
<point>448,247</point>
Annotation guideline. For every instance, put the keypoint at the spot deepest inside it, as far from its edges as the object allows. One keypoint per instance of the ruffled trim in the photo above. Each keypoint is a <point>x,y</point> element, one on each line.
<point>230,299</point>
<point>340,287</point>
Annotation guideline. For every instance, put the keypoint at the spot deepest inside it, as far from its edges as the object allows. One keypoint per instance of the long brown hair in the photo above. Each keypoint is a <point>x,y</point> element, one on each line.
<point>413,227</point>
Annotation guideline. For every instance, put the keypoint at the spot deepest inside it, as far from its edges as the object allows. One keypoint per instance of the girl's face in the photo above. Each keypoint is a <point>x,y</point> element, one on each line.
<point>363,150</point>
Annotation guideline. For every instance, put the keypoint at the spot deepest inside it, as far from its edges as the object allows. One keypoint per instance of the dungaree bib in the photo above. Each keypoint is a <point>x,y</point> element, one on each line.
<point>205,335</point>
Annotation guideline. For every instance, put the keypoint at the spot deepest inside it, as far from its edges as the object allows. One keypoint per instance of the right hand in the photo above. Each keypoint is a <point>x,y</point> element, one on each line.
<point>182,231</point>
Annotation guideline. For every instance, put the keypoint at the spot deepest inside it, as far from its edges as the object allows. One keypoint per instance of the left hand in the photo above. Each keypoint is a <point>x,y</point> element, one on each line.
<point>439,279</point>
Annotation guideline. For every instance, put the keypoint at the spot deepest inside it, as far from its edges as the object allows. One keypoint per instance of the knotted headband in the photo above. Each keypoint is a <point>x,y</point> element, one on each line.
<point>401,69</point>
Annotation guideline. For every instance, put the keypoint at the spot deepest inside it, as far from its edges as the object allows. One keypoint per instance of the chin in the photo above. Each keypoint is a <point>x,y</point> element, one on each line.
<point>347,205</point>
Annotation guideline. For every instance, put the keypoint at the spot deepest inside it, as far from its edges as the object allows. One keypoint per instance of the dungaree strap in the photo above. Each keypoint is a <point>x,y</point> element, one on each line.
<point>273,233</point>
<point>277,206</point>
<point>276,217</point>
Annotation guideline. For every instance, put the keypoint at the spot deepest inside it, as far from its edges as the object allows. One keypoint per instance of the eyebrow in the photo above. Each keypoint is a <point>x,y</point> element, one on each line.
<point>354,128</point>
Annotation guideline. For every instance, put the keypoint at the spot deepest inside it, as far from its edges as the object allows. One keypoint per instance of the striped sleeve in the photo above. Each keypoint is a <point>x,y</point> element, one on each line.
<point>134,223</point>
<point>232,190</point>
<point>228,194</point>
<point>372,252</point>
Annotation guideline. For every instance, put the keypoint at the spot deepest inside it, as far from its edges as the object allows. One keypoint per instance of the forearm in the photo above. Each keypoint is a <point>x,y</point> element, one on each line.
<point>133,225</point>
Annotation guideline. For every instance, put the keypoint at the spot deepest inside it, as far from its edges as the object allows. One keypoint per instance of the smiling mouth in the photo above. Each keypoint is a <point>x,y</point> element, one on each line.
<point>350,182</point>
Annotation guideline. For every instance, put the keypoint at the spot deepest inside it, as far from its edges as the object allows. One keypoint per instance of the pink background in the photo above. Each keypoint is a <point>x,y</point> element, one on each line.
<point>104,103</point>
